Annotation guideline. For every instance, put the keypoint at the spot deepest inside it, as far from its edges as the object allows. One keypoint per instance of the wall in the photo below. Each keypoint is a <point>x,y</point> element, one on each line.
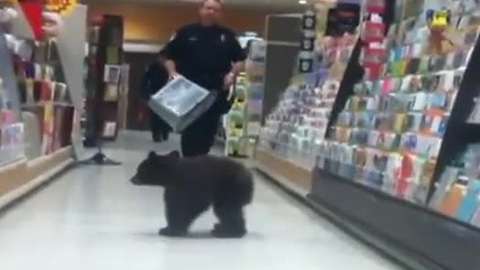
<point>156,22</point>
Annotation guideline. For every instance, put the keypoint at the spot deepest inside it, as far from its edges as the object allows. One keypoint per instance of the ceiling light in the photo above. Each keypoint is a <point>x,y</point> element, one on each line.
<point>302,2</point>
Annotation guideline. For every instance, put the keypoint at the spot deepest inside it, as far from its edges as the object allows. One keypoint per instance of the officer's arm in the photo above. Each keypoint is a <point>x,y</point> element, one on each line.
<point>145,84</point>
<point>237,55</point>
<point>173,51</point>
<point>171,68</point>
<point>237,67</point>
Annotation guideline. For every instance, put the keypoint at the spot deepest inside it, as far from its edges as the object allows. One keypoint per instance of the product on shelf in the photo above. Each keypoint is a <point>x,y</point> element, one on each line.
<point>242,124</point>
<point>237,138</point>
<point>11,128</point>
<point>373,33</point>
<point>298,124</point>
<point>32,83</point>
<point>43,91</point>
<point>296,127</point>
<point>255,76</point>
<point>457,193</point>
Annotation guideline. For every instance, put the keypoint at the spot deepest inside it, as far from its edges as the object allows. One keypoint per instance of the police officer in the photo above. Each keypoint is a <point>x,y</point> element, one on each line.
<point>211,56</point>
<point>154,78</point>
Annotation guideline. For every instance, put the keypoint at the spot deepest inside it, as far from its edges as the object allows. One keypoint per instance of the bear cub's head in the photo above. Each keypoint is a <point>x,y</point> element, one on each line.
<point>154,170</point>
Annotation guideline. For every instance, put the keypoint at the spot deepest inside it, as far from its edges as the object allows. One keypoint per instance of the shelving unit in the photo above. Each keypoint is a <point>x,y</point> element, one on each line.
<point>293,131</point>
<point>11,125</point>
<point>44,93</point>
<point>396,145</point>
<point>298,124</point>
<point>38,85</point>
<point>242,123</point>
<point>105,61</point>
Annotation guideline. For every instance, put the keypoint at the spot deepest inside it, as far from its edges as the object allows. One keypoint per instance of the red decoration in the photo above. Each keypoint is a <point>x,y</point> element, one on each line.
<point>33,11</point>
<point>373,32</point>
<point>375,6</point>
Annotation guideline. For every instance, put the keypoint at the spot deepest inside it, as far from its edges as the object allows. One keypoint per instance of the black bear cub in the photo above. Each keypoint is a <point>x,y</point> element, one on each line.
<point>192,184</point>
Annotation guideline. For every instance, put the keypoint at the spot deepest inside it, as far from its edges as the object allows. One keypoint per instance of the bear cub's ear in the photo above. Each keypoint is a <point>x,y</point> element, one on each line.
<point>174,154</point>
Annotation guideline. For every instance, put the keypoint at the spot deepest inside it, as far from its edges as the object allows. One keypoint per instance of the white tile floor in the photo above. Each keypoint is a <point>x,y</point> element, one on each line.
<point>92,218</point>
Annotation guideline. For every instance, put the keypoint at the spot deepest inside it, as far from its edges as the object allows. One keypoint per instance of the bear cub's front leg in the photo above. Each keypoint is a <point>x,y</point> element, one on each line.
<point>172,232</point>
<point>178,223</point>
<point>180,213</point>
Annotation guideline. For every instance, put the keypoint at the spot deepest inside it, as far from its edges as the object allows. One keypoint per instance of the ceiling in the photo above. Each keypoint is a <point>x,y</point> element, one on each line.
<point>269,5</point>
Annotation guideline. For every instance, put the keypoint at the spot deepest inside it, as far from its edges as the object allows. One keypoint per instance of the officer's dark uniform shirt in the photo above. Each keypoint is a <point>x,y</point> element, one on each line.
<point>154,78</point>
<point>205,55</point>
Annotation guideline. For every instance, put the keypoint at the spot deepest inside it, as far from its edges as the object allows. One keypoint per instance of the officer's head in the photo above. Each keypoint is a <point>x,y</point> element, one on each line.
<point>210,12</point>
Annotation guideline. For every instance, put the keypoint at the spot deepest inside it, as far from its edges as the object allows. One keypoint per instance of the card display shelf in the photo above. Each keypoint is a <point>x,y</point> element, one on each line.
<point>400,146</point>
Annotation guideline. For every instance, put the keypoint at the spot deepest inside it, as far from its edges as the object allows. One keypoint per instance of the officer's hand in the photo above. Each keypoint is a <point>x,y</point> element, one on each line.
<point>228,81</point>
<point>173,75</point>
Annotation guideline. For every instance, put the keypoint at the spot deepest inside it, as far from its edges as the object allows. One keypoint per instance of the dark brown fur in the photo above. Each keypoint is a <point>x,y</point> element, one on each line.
<point>193,184</point>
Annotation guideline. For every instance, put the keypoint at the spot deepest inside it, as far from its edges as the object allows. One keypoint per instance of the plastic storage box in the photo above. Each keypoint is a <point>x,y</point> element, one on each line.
<point>181,102</point>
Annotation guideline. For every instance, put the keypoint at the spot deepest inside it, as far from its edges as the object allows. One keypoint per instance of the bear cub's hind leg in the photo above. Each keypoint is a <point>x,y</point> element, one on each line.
<point>232,222</point>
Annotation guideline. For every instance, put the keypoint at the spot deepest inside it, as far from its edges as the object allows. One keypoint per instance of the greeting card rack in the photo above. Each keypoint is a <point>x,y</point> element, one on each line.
<point>105,61</point>
<point>44,93</point>
<point>398,152</point>
<point>291,132</point>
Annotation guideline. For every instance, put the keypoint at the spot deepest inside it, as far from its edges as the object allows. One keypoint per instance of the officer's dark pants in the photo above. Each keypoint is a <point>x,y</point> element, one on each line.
<point>198,138</point>
<point>159,128</point>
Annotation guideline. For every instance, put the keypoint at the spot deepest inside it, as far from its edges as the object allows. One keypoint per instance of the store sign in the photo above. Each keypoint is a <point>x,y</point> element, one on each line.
<point>60,6</point>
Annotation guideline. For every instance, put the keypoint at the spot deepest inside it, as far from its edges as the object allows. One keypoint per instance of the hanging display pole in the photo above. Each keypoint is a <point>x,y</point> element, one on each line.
<point>307,42</point>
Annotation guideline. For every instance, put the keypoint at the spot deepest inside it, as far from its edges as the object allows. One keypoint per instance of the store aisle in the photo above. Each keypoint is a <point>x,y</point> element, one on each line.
<point>93,218</point>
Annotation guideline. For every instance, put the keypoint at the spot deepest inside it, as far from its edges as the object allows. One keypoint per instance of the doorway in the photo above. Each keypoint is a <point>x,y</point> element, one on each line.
<point>137,112</point>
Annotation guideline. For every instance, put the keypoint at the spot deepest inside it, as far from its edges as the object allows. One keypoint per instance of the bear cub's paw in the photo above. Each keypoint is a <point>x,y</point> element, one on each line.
<point>167,231</point>
<point>221,231</point>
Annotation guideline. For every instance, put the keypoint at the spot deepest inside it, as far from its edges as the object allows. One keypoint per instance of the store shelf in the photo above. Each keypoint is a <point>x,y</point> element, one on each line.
<point>293,130</point>
<point>269,162</point>
<point>37,96</point>
<point>295,127</point>
<point>439,241</point>
<point>386,182</point>
<point>31,173</point>
<point>105,80</point>
<point>23,190</point>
